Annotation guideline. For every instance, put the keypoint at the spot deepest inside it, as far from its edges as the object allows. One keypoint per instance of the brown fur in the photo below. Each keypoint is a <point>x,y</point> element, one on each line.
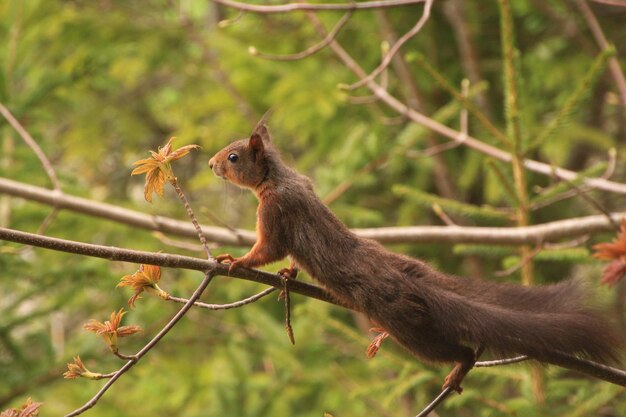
<point>434,315</point>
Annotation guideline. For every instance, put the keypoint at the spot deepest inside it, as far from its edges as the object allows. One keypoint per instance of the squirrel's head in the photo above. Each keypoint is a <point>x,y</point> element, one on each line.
<point>244,162</point>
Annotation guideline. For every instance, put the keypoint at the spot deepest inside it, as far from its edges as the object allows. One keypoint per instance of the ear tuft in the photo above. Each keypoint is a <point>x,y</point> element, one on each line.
<point>261,127</point>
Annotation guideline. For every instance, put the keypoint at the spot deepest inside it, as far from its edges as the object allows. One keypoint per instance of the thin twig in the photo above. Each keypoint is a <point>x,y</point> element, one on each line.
<point>43,159</point>
<point>619,3</point>
<point>608,173</point>
<point>28,139</point>
<point>228,306</point>
<point>440,212</point>
<point>192,216</point>
<point>311,50</point>
<point>287,297</point>
<point>434,150</point>
<point>125,357</point>
<point>603,43</point>
<point>500,362</point>
<point>592,201</point>
<point>463,124</point>
<point>396,47</point>
<point>290,7</point>
<point>162,237</point>
<point>521,264</point>
<point>155,340</point>
<point>435,403</point>
<point>103,376</point>
<point>228,22</point>
<point>445,393</point>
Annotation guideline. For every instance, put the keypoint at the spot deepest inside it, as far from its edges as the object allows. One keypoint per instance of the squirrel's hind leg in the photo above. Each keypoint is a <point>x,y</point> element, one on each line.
<point>455,377</point>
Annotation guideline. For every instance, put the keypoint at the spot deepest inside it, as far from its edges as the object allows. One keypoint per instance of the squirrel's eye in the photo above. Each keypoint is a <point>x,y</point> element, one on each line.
<point>233,157</point>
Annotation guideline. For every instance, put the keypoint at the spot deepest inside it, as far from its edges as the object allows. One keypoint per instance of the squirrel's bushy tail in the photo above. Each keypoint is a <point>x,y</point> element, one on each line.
<point>528,320</point>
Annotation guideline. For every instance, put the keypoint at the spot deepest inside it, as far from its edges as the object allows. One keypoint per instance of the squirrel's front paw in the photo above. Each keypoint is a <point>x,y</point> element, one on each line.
<point>225,257</point>
<point>288,273</point>
<point>228,259</point>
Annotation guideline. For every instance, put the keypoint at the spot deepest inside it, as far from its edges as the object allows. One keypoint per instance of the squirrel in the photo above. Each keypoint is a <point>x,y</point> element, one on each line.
<point>435,316</point>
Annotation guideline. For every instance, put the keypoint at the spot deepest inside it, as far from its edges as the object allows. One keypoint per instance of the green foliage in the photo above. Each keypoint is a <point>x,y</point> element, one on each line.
<point>583,88</point>
<point>561,187</point>
<point>427,200</point>
<point>97,84</point>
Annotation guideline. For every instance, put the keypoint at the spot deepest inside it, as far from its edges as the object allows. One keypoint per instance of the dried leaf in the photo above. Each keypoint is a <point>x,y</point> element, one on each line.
<point>158,169</point>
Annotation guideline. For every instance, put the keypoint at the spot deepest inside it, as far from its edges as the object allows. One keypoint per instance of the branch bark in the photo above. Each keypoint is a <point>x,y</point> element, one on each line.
<point>211,268</point>
<point>290,7</point>
<point>161,259</point>
<point>535,234</point>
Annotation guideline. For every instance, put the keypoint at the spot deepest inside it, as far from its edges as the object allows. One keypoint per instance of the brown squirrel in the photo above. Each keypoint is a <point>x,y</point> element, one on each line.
<point>433,315</point>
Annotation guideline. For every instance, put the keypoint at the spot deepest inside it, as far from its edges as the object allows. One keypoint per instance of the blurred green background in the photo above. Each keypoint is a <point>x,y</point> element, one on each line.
<point>99,83</point>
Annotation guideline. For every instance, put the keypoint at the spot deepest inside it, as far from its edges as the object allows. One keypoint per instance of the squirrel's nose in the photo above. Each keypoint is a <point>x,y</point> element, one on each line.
<point>211,163</point>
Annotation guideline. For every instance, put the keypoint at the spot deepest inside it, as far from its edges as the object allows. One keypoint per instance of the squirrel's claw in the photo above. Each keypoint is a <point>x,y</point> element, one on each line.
<point>373,348</point>
<point>228,259</point>
<point>287,273</point>
<point>290,273</point>
<point>455,377</point>
<point>225,257</point>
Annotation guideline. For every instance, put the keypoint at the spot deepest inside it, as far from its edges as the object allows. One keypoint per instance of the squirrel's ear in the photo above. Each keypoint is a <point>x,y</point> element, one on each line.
<point>263,131</point>
<point>256,145</point>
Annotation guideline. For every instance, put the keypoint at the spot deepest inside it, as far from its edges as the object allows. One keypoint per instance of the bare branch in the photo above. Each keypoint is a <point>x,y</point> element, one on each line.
<point>28,139</point>
<point>603,43</point>
<point>591,201</point>
<point>547,232</point>
<point>445,393</point>
<point>290,7</point>
<point>124,216</point>
<point>466,140</point>
<point>620,3</point>
<point>499,362</point>
<point>161,259</point>
<point>396,47</point>
<point>608,173</point>
<point>525,260</point>
<point>192,217</point>
<point>211,268</point>
<point>192,247</point>
<point>435,403</point>
<point>43,159</point>
<point>311,50</point>
<point>604,372</point>
<point>228,306</point>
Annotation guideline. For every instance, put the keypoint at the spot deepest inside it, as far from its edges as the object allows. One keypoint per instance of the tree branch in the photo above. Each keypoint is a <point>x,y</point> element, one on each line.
<point>211,268</point>
<point>28,139</point>
<point>290,7</point>
<point>469,141</point>
<point>310,50</point>
<point>161,259</point>
<point>396,47</point>
<point>547,232</point>
<point>603,43</point>
<point>235,304</point>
